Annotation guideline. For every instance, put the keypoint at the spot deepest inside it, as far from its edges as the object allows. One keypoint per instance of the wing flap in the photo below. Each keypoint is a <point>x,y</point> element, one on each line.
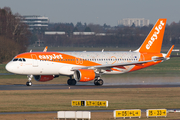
<point>118,65</point>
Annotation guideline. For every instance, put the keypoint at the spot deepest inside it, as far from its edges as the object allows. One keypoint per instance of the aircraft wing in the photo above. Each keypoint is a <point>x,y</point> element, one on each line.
<point>120,65</point>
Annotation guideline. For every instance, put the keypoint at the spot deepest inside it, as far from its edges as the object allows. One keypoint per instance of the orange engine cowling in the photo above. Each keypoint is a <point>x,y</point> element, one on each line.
<point>43,78</point>
<point>84,75</point>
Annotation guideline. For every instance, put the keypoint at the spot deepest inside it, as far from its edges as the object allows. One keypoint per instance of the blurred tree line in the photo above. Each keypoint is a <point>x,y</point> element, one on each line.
<point>121,36</point>
<point>13,35</point>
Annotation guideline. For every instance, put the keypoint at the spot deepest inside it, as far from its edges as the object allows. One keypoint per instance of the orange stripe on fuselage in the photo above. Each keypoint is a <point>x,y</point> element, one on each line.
<point>147,56</point>
<point>68,59</point>
<point>55,56</point>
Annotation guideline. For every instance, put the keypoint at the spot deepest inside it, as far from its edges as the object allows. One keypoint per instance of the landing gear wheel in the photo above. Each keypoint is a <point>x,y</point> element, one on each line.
<point>28,83</point>
<point>71,82</point>
<point>98,82</point>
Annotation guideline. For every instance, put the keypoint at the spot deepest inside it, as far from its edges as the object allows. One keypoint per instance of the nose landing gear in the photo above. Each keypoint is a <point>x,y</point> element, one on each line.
<point>29,83</point>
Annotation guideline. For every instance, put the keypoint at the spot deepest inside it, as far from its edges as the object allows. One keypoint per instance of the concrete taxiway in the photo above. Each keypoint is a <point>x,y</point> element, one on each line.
<point>64,86</point>
<point>48,112</point>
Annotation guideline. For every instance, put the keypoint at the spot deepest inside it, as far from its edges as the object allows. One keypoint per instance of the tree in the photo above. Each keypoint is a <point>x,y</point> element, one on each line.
<point>75,29</point>
<point>133,25</point>
<point>87,29</point>
<point>13,31</point>
<point>32,39</point>
<point>8,49</point>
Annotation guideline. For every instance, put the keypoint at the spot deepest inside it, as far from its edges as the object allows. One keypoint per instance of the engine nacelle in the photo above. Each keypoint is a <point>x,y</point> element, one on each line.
<point>84,75</point>
<point>43,78</point>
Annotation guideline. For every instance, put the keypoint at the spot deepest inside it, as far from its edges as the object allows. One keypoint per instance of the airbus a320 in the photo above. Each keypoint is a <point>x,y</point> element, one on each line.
<point>88,66</point>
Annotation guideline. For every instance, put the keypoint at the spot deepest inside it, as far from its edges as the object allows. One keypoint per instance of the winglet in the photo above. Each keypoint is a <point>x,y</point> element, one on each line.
<point>45,49</point>
<point>169,52</point>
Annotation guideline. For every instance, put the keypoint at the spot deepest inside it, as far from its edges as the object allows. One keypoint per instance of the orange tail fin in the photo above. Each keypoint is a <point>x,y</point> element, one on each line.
<point>153,41</point>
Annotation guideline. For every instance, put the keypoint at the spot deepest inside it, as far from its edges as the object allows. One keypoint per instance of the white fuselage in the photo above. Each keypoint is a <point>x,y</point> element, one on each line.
<point>57,66</point>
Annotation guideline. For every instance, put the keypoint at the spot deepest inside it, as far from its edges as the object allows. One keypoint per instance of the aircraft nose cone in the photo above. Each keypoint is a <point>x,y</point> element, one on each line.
<point>8,67</point>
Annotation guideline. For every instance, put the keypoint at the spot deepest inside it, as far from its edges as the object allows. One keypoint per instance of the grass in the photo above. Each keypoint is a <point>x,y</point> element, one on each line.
<point>2,68</point>
<point>56,100</point>
<point>121,98</point>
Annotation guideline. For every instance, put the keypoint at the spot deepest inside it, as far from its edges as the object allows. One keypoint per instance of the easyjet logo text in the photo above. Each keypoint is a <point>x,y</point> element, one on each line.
<point>53,56</point>
<point>155,35</point>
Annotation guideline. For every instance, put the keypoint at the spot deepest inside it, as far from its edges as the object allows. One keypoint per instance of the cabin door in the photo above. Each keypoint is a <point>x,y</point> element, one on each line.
<point>34,60</point>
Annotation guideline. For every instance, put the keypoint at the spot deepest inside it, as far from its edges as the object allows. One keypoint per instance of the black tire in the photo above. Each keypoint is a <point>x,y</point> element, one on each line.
<point>71,82</point>
<point>96,82</point>
<point>100,82</point>
<point>28,83</point>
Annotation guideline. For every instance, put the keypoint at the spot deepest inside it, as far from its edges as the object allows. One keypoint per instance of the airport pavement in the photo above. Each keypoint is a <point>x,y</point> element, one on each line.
<point>48,112</point>
<point>64,86</point>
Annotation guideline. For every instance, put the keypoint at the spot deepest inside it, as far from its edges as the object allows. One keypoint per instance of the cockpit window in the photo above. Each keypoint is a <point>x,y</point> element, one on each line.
<point>15,59</point>
<point>19,59</point>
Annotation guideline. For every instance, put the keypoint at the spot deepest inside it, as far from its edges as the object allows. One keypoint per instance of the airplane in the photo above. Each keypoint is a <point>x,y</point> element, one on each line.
<point>88,66</point>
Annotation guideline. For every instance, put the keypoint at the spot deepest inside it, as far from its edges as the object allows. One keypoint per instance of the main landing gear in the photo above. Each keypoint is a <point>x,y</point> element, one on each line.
<point>71,81</point>
<point>29,83</point>
<point>98,82</point>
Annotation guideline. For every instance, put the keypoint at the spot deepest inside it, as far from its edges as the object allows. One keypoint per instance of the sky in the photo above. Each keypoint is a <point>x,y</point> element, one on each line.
<point>96,11</point>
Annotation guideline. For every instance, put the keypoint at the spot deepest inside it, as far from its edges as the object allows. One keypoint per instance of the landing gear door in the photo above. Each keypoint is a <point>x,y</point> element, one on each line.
<point>34,60</point>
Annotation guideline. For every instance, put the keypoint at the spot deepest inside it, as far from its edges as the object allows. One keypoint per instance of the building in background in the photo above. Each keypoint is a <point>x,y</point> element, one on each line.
<point>35,21</point>
<point>138,22</point>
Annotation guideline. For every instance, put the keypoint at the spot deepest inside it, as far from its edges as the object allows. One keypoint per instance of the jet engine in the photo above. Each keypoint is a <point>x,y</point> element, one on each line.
<point>43,78</point>
<point>84,75</point>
